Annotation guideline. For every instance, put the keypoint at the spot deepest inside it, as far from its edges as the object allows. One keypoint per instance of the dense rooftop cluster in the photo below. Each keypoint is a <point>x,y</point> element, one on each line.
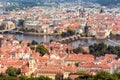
<point>43,19</point>
<point>19,55</point>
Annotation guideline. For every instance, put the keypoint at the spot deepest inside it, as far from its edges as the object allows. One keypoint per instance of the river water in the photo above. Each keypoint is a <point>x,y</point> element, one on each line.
<point>40,39</point>
<point>91,42</point>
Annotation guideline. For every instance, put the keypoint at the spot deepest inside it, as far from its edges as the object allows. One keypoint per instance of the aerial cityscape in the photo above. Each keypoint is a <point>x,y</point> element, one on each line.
<point>59,40</point>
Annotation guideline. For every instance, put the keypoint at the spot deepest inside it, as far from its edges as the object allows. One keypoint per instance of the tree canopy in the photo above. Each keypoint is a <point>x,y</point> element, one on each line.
<point>13,71</point>
<point>42,50</point>
<point>34,42</point>
<point>68,33</point>
<point>102,49</point>
<point>11,74</point>
<point>103,76</point>
<point>78,50</point>
<point>100,76</point>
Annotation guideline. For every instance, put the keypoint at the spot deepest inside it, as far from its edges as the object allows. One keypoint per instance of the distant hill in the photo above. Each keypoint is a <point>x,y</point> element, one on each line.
<point>105,2</point>
<point>102,2</point>
<point>108,2</point>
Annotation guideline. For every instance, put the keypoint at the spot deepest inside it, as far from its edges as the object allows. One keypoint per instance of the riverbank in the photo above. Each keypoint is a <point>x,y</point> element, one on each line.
<point>115,38</point>
<point>28,33</point>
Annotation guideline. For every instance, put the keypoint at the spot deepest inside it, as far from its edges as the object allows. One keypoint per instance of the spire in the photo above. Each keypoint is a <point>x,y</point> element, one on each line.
<point>102,11</point>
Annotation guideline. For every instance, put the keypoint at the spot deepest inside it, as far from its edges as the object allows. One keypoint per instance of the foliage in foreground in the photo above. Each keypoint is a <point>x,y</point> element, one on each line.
<point>15,74</point>
<point>100,76</point>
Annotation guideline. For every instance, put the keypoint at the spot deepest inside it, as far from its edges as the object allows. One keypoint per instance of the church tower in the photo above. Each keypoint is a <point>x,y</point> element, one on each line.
<point>31,64</point>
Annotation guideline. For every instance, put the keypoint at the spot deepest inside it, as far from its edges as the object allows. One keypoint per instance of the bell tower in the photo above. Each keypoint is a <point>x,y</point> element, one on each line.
<point>31,64</point>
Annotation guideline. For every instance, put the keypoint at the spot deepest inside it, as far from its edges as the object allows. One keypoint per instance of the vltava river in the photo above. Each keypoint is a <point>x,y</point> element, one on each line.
<point>40,39</point>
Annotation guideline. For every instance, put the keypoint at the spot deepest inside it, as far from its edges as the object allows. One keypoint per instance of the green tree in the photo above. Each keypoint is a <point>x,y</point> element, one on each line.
<point>42,50</point>
<point>68,51</point>
<point>68,33</point>
<point>11,78</point>
<point>34,42</point>
<point>84,77</point>
<point>116,76</point>
<point>43,78</point>
<point>71,32</point>
<point>117,48</point>
<point>98,49</point>
<point>59,77</point>
<point>78,50</point>
<point>51,48</point>
<point>21,22</point>
<point>81,72</point>
<point>31,78</point>
<point>103,76</point>
<point>77,64</point>
<point>13,71</point>
<point>2,74</point>
<point>23,77</point>
<point>112,50</point>
<point>18,71</point>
